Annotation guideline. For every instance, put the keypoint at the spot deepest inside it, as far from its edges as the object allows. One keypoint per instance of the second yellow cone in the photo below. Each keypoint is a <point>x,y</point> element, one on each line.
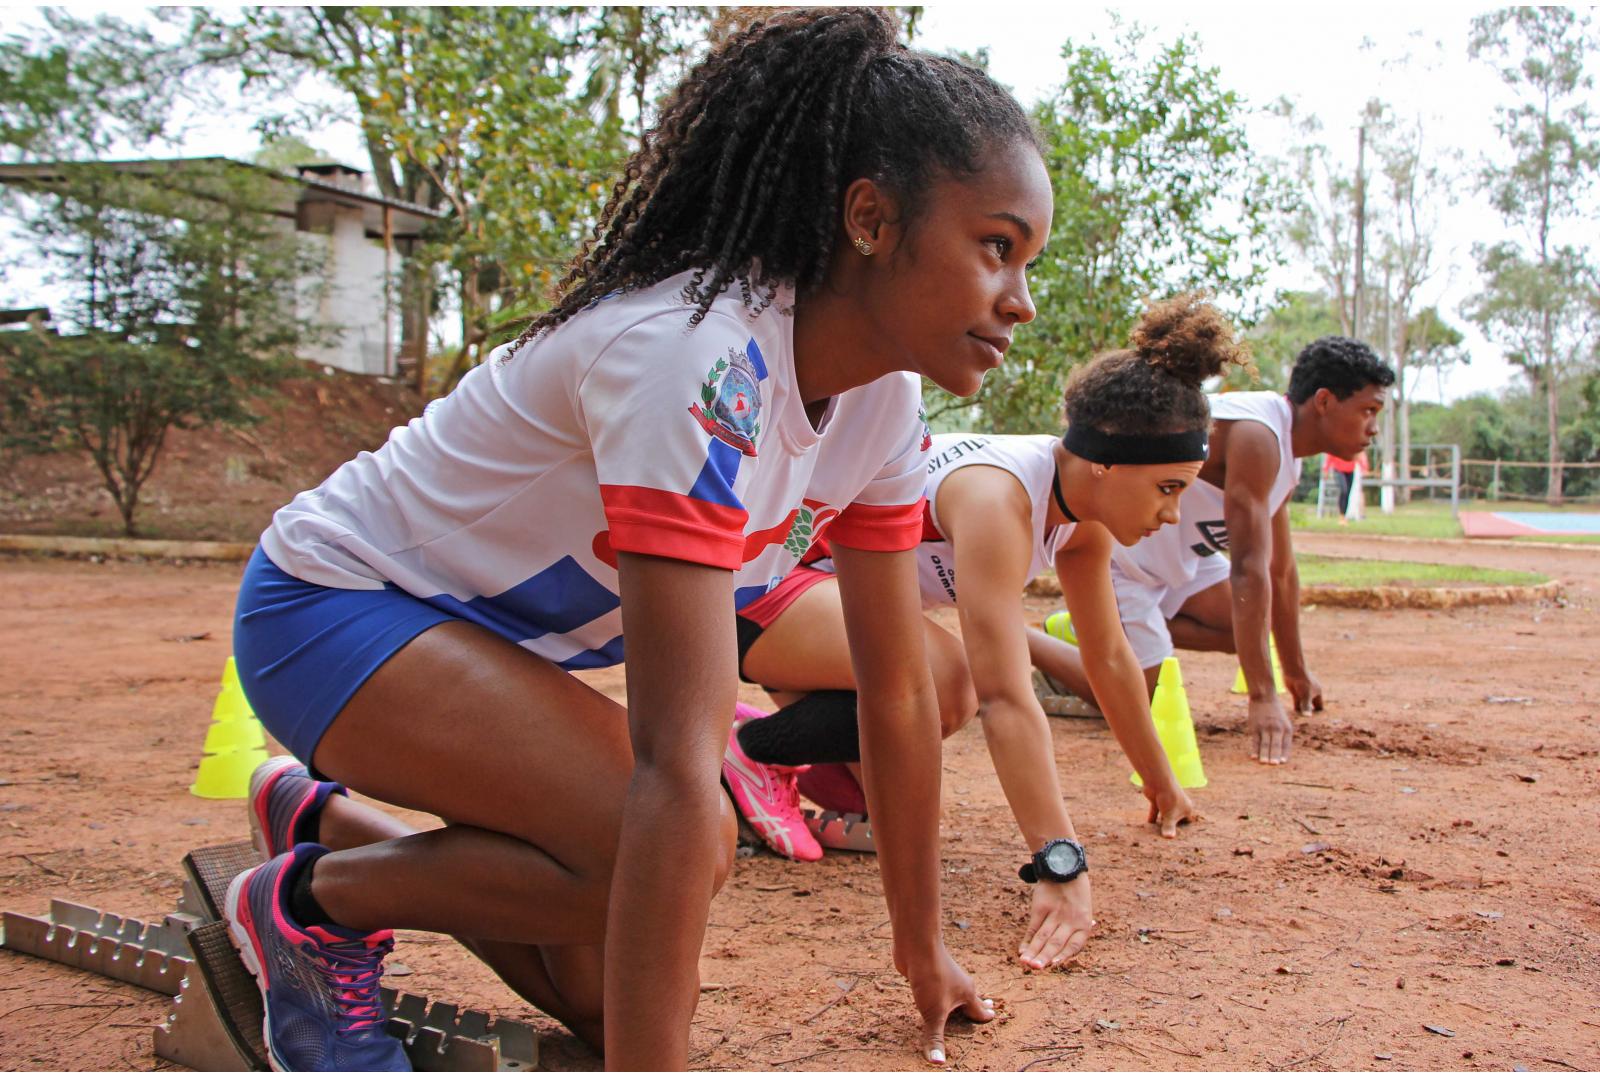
<point>1169,708</point>
<point>1242,687</point>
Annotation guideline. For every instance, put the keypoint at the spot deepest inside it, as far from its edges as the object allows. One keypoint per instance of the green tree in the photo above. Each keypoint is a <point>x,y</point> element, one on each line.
<point>184,307</point>
<point>1156,190</point>
<point>476,111</point>
<point>80,85</point>
<point>1296,320</point>
<point>1538,298</point>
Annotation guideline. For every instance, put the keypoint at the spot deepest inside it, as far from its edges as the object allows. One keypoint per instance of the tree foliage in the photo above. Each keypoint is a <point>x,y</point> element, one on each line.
<point>509,119</point>
<point>1156,190</point>
<point>1538,301</point>
<point>183,308</point>
<point>1296,320</point>
<point>82,85</point>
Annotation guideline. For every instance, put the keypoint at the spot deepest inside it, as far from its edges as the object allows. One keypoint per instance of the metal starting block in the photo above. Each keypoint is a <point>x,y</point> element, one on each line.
<point>1059,701</point>
<point>215,1023</point>
<point>841,832</point>
<point>154,956</point>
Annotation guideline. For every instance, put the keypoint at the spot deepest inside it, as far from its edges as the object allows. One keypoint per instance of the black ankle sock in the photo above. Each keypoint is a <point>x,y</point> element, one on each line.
<point>818,729</point>
<point>303,907</point>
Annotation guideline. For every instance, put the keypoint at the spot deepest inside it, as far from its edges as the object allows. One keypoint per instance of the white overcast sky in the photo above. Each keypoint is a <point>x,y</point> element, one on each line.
<point>1328,58</point>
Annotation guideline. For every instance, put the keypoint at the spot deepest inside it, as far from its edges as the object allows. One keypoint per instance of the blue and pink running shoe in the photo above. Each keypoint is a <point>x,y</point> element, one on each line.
<point>320,983</point>
<point>284,804</point>
<point>766,796</point>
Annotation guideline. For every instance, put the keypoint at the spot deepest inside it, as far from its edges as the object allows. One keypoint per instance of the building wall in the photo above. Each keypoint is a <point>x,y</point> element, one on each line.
<point>352,297</point>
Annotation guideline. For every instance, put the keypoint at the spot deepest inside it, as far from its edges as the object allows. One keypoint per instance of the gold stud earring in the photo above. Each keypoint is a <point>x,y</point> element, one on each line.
<point>862,245</point>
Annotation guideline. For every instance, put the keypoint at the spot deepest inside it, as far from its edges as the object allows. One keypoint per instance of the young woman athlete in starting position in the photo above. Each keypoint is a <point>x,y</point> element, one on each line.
<point>1000,509</point>
<point>820,216</point>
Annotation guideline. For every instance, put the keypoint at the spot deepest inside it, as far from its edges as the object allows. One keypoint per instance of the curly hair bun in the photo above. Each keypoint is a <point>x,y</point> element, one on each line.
<point>1189,337</point>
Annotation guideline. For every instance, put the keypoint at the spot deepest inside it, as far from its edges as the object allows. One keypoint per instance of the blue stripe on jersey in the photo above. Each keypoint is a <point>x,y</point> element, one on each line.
<point>757,361</point>
<point>607,655</point>
<point>715,482</point>
<point>557,600</point>
<point>748,595</point>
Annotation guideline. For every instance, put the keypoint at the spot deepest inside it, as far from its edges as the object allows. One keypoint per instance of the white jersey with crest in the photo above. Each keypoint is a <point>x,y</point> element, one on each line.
<point>1031,459</point>
<point>1173,555</point>
<point>620,430</point>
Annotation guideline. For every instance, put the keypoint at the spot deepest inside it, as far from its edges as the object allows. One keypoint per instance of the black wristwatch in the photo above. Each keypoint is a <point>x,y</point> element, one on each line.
<point>1059,860</point>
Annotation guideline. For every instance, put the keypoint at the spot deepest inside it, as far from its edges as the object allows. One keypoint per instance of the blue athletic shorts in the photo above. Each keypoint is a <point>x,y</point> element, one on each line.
<point>303,650</point>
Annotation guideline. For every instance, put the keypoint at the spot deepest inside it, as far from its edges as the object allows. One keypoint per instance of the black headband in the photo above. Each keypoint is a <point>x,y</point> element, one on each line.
<point>1103,449</point>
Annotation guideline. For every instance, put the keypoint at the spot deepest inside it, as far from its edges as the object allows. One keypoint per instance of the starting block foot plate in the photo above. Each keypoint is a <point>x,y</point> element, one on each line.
<point>841,832</point>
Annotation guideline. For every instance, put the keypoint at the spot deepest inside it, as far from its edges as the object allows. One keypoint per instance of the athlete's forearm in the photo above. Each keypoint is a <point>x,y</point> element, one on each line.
<point>900,763</point>
<point>1018,734</point>
<point>1251,586</point>
<point>1286,619</point>
<point>655,925</point>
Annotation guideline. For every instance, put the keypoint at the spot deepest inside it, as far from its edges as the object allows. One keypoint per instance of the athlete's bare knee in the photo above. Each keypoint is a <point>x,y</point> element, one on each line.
<point>958,703</point>
<point>726,850</point>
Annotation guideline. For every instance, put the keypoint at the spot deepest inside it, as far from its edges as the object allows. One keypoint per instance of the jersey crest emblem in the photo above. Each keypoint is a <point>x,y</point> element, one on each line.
<point>729,408</point>
<point>927,433</point>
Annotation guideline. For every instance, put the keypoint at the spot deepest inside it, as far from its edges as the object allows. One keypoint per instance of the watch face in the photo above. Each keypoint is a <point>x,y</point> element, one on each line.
<point>1062,859</point>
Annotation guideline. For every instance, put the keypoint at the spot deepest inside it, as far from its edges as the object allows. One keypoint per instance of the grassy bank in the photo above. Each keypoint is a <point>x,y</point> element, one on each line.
<point>1366,573</point>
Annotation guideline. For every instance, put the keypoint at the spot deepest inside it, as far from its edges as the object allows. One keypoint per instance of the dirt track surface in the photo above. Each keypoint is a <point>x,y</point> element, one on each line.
<point>1457,886</point>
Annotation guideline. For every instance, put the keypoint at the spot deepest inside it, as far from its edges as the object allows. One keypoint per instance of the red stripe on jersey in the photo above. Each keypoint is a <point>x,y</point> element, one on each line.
<point>930,531</point>
<point>878,528</point>
<point>648,521</point>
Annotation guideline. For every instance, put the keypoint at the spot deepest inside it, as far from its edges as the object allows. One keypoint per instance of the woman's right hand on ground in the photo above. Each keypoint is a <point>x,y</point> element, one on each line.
<point>1059,925</point>
<point>940,987</point>
<point>1169,809</point>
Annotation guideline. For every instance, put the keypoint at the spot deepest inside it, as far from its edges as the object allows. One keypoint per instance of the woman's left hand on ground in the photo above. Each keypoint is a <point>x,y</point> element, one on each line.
<point>1060,922</point>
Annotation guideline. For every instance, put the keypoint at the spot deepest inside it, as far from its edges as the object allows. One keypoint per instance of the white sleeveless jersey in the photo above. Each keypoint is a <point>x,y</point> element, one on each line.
<point>620,430</point>
<point>1031,459</point>
<point>1173,554</point>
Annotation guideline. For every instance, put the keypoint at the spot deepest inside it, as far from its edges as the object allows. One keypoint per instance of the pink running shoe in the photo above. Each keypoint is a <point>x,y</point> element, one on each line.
<point>833,787</point>
<point>766,796</point>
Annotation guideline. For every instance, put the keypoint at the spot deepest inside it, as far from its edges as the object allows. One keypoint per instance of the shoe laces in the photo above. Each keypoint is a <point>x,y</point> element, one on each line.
<point>352,968</point>
<point>785,781</point>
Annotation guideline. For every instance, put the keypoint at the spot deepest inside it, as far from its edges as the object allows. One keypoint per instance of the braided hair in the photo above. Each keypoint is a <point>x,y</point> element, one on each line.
<point>1153,388</point>
<point>742,175</point>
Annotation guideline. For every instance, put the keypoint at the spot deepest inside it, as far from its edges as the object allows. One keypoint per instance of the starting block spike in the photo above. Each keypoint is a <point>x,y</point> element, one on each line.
<point>215,1023</point>
<point>841,832</point>
<point>91,940</point>
<point>442,1036</point>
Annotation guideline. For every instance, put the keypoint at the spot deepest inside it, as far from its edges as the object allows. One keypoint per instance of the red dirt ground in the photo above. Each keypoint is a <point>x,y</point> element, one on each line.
<point>1458,886</point>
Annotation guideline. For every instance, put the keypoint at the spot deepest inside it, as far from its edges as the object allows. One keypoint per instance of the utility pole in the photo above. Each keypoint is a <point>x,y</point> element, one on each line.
<point>1361,228</point>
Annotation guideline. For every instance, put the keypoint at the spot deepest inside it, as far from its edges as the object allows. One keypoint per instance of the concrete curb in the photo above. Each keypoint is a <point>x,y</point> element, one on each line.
<point>118,548</point>
<point>1384,597</point>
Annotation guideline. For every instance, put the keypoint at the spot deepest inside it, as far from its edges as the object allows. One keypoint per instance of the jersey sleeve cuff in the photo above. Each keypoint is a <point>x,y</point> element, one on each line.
<point>650,522</point>
<point>878,528</point>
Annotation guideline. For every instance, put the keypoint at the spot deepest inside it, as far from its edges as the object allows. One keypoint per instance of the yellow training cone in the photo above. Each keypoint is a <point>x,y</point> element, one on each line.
<point>1241,687</point>
<point>1175,727</point>
<point>230,674</point>
<point>1059,625</point>
<point>225,735</point>
<point>227,775</point>
<point>231,704</point>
